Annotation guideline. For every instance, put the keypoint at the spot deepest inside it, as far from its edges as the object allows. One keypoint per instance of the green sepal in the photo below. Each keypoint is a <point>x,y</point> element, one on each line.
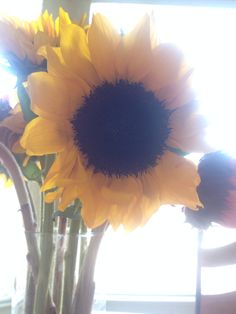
<point>4,171</point>
<point>177,151</point>
<point>72,212</point>
<point>31,171</point>
<point>25,103</point>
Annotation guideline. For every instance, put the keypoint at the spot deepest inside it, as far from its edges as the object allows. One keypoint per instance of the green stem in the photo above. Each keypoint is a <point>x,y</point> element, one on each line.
<point>30,292</point>
<point>70,263</point>
<point>58,271</point>
<point>83,243</point>
<point>84,293</point>
<point>46,246</point>
<point>27,214</point>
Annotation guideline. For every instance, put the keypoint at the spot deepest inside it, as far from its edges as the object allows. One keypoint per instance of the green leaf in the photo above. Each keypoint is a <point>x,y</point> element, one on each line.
<point>31,171</point>
<point>25,103</point>
<point>72,212</point>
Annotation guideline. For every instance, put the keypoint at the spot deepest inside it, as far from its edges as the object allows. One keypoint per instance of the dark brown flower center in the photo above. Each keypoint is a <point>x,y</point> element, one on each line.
<point>121,129</point>
<point>215,170</point>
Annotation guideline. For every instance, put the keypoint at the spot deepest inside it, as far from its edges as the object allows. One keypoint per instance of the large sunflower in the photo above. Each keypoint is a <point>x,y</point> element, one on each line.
<point>118,111</point>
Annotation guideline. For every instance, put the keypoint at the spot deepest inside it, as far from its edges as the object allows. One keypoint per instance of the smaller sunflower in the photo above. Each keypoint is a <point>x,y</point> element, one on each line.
<point>20,41</point>
<point>217,192</point>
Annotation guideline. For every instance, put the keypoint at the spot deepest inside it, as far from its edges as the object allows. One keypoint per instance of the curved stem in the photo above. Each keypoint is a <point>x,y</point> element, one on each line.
<point>84,293</point>
<point>46,247</point>
<point>70,263</point>
<point>58,262</point>
<point>10,163</point>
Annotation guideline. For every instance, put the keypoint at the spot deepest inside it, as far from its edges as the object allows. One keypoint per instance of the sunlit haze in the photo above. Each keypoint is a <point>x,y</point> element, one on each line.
<point>161,259</point>
<point>207,37</point>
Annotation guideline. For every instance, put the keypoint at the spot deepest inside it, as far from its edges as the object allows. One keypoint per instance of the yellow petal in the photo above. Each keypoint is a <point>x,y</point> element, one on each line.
<point>52,196</point>
<point>61,168</point>
<point>9,41</point>
<point>167,63</point>
<point>177,94</point>
<point>52,98</point>
<point>93,216</point>
<point>188,129</point>
<point>178,181</point>
<point>116,216</point>
<point>43,137</point>
<point>57,68</point>
<point>75,51</point>
<point>121,190</point>
<point>14,122</point>
<point>148,209</point>
<point>69,194</point>
<point>133,216</point>
<point>133,57</point>
<point>64,17</point>
<point>151,186</point>
<point>103,40</point>
<point>56,64</point>
<point>27,45</point>
<point>42,39</point>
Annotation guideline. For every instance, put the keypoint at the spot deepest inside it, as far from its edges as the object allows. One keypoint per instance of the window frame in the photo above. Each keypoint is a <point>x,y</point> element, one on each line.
<point>198,3</point>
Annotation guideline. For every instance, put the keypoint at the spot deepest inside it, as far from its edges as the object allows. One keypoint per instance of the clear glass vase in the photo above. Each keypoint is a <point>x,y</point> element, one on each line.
<point>57,272</point>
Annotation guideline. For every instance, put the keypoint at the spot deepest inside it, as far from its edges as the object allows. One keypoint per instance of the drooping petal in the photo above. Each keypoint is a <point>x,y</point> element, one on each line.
<point>178,179</point>
<point>61,168</point>
<point>52,196</point>
<point>150,186</point>
<point>69,194</point>
<point>93,214</point>
<point>43,137</point>
<point>14,122</point>
<point>188,129</point>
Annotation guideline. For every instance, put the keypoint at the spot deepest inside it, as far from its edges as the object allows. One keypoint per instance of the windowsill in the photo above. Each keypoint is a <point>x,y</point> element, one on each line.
<point>117,304</point>
<point>5,303</point>
<point>144,304</point>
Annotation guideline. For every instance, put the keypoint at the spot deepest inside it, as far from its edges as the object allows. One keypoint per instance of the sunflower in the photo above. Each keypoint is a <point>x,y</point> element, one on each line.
<point>20,41</point>
<point>217,192</point>
<point>119,113</point>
